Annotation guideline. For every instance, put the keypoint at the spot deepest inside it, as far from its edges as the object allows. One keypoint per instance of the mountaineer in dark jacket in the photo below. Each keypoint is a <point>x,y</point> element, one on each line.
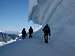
<point>47,32</point>
<point>30,32</point>
<point>23,33</point>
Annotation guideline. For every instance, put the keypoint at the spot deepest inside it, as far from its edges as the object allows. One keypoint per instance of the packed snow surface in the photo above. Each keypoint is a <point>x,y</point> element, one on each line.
<point>58,46</point>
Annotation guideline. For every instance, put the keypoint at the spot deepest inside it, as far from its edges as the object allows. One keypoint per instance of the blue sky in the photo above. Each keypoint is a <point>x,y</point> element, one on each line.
<point>13,15</point>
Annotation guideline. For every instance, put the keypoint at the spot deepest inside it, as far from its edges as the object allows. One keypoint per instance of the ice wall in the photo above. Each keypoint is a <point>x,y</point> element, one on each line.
<point>60,15</point>
<point>32,3</point>
<point>57,13</point>
<point>43,10</point>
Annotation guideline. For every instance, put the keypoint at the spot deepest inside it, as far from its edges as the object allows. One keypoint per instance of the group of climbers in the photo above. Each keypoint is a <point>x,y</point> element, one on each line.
<point>46,31</point>
<point>24,34</point>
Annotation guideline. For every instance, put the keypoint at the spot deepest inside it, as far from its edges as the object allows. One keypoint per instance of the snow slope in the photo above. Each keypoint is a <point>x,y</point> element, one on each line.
<point>57,46</point>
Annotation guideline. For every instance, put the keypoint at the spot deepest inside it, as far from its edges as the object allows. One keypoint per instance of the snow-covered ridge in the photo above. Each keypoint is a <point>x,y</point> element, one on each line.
<point>8,42</point>
<point>6,38</point>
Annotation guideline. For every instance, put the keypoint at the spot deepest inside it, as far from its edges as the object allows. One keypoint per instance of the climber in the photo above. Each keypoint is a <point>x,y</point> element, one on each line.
<point>47,33</point>
<point>30,32</point>
<point>23,33</point>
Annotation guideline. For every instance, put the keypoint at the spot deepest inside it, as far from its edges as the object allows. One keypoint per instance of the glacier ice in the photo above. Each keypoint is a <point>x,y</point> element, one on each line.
<point>57,13</point>
<point>60,15</point>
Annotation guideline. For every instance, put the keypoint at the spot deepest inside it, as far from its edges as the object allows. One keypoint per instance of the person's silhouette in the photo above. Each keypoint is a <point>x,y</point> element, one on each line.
<point>46,31</point>
<point>23,33</point>
<point>30,32</point>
